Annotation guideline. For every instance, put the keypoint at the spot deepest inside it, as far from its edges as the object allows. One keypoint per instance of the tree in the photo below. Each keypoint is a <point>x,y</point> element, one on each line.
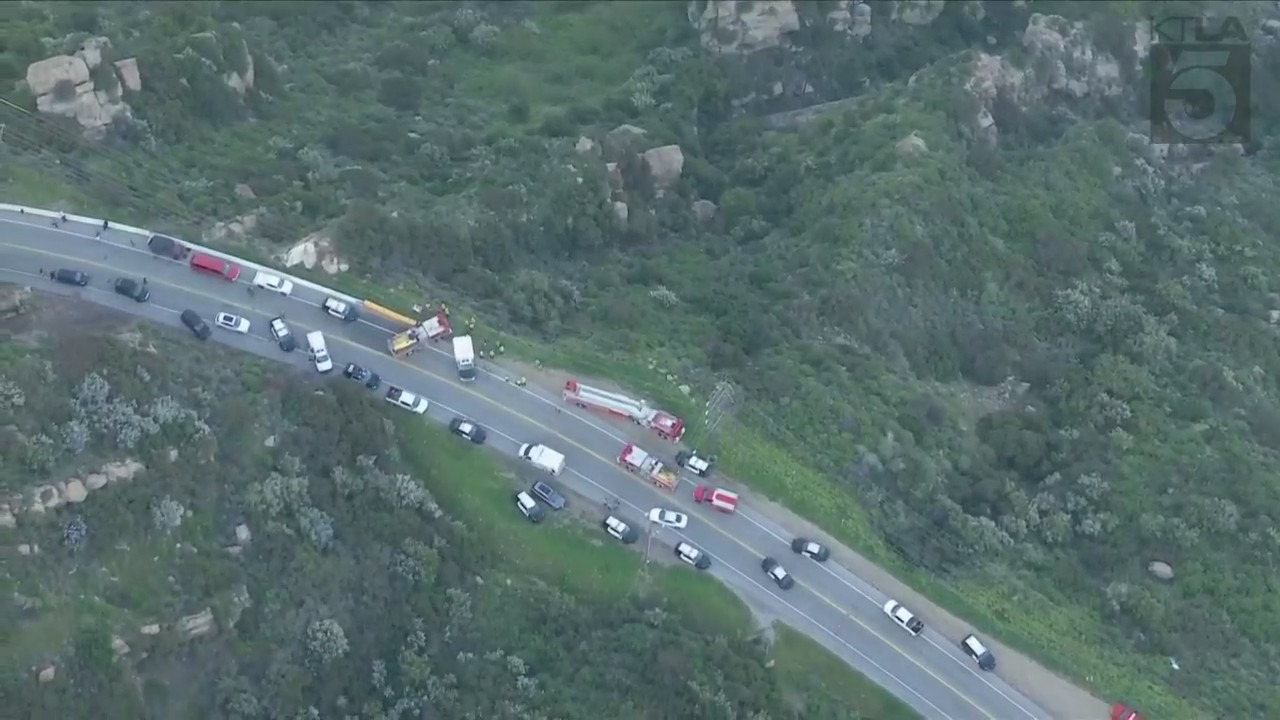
<point>326,642</point>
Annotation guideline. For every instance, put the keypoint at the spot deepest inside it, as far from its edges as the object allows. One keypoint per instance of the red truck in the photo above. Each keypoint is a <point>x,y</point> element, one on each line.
<point>719,499</point>
<point>1120,711</point>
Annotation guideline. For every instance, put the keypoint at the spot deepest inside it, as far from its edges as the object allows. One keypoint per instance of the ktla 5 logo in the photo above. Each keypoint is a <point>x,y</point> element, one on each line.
<point>1200,80</point>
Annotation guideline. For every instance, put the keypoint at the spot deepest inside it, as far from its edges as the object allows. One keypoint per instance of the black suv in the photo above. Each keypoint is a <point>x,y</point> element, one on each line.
<point>132,289</point>
<point>371,380</point>
<point>196,324</point>
<point>548,495</point>
<point>70,277</point>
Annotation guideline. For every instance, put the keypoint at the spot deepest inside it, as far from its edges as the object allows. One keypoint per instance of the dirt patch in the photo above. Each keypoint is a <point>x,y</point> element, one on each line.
<point>48,316</point>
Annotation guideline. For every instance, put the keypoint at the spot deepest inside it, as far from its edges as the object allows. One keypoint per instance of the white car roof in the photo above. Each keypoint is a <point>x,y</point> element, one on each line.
<point>778,571</point>
<point>685,548</point>
<point>525,498</point>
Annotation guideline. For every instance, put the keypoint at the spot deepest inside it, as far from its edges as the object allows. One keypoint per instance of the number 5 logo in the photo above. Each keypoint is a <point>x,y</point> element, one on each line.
<point>1200,94</point>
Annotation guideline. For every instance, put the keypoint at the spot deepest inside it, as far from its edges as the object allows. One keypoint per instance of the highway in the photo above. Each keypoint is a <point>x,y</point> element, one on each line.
<point>828,603</point>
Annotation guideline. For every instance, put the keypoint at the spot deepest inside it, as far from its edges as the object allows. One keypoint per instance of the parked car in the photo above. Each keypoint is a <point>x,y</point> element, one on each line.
<point>529,507</point>
<point>370,379</point>
<point>283,336</point>
<point>974,648</point>
<point>196,324</point>
<point>168,247</point>
<point>274,283</point>
<point>774,570</point>
<point>234,323</point>
<point>810,549</point>
<point>693,462</point>
<point>548,495</point>
<point>339,309</point>
<point>67,276</point>
<point>693,556</point>
<point>467,429</point>
<point>903,617</point>
<point>669,518</point>
<point>407,400</point>
<point>132,289</point>
<point>623,532</point>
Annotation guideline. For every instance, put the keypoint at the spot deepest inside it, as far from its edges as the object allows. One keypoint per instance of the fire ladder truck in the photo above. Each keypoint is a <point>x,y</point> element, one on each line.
<point>668,426</point>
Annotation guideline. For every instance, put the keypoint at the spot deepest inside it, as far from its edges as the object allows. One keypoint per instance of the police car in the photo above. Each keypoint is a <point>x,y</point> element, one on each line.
<point>810,549</point>
<point>774,570</point>
<point>623,532</point>
<point>694,463</point>
<point>692,555</point>
<point>974,648</point>
<point>529,507</point>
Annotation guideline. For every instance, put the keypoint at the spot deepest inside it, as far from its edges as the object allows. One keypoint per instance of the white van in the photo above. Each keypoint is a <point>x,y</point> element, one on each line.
<point>319,353</point>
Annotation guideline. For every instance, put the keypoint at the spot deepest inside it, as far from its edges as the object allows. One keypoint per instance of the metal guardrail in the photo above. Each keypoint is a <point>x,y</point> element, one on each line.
<point>117,227</point>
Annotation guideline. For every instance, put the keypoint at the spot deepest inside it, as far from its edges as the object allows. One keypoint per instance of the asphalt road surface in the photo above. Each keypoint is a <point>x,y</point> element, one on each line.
<point>828,603</point>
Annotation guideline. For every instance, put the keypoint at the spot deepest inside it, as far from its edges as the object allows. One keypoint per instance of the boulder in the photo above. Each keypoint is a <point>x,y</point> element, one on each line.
<point>193,626</point>
<point>75,492</point>
<point>851,17</point>
<point>130,78</point>
<point>1161,570</point>
<point>623,139</point>
<point>244,191</point>
<point>7,519</point>
<point>48,497</point>
<point>243,535</point>
<point>621,210</point>
<point>741,27</point>
<point>152,629</point>
<point>585,145</point>
<point>119,646</point>
<point>704,210</point>
<point>47,674</point>
<point>24,549</point>
<point>95,481</point>
<point>665,164</point>
<point>614,175</point>
<point>44,75</point>
<point>911,145</point>
<point>91,51</point>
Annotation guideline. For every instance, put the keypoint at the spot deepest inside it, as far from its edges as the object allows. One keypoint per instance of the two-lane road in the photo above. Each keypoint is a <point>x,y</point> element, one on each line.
<point>829,603</point>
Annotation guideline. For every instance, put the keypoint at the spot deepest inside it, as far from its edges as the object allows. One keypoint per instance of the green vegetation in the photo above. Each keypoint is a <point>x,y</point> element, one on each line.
<point>1015,371</point>
<point>383,573</point>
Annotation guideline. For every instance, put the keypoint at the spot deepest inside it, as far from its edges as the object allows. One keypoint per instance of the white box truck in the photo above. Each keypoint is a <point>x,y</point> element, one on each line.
<point>542,457</point>
<point>464,356</point>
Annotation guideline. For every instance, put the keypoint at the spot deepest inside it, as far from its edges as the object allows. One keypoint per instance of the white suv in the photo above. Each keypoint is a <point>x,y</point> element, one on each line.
<point>903,617</point>
<point>529,507</point>
<point>274,283</point>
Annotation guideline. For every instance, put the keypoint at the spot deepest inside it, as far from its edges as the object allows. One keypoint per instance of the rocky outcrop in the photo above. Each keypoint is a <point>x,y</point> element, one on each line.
<point>316,249</point>
<point>911,145</point>
<point>50,497</point>
<point>1061,63</point>
<point>737,26</point>
<point>64,85</point>
<point>665,164</point>
<point>11,301</point>
<point>193,626</point>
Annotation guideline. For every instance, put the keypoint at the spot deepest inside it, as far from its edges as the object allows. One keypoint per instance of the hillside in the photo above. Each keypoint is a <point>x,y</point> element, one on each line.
<point>978,325</point>
<point>222,537</point>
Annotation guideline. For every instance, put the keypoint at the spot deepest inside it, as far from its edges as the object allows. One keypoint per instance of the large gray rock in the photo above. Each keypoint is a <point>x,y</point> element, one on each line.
<point>740,27</point>
<point>1161,570</point>
<point>130,77</point>
<point>665,164</point>
<point>44,75</point>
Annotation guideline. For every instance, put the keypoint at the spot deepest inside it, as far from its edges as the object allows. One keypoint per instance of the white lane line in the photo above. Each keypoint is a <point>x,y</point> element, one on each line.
<point>723,563</point>
<point>608,433</point>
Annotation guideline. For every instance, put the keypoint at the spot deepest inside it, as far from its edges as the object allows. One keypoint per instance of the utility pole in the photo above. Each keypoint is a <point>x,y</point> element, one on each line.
<point>721,399</point>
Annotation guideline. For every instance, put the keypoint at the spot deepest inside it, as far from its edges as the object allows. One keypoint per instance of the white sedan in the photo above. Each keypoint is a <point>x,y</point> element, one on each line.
<point>274,283</point>
<point>669,518</point>
<point>234,323</point>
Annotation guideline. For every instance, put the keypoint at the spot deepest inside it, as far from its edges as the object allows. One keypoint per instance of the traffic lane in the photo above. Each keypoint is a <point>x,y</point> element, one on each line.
<point>832,578</point>
<point>373,336</point>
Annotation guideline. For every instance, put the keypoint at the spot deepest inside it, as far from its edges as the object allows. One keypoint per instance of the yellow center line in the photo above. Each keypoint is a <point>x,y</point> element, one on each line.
<point>679,501</point>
